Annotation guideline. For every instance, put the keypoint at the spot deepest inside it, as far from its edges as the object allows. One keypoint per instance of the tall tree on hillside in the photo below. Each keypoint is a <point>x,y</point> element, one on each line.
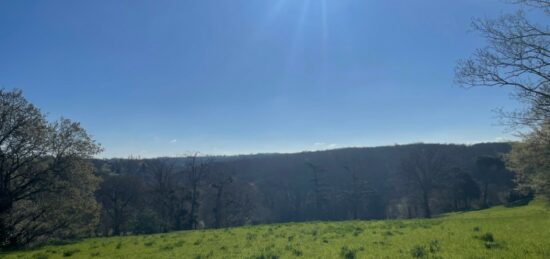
<point>169,195</point>
<point>119,196</point>
<point>197,169</point>
<point>220,184</point>
<point>463,189</point>
<point>425,170</point>
<point>319,189</point>
<point>517,56</point>
<point>358,192</point>
<point>46,180</point>
<point>488,171</point>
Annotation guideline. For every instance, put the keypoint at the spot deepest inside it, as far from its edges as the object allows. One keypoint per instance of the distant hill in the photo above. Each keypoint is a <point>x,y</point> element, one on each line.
<point>282,187</point>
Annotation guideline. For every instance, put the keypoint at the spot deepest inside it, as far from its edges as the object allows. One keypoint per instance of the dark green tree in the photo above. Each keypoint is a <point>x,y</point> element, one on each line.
<point>46,179</point>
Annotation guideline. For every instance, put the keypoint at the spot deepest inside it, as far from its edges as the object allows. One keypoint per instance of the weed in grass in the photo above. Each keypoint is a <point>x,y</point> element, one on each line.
<point>477,229</point>
<point>148,244</point>
<point>347,253</point>
<point>487,237</point>
<point>94,254</point>
<point>418,251</point>
<point>266,255</point>
<point>379,243</point>
<point>118,245</point>
<point>297,252</point>
<point>70,252</point>
<point>166,248</point>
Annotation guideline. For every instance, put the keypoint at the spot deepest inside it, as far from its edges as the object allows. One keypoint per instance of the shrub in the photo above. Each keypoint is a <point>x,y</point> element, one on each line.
<point>418,251</point>
<point>347,253</point>
<point>487,237</point>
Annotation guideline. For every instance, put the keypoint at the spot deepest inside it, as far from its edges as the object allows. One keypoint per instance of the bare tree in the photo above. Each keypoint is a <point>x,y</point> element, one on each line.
<point>169,195</point>
<point>488,170</point>
<point>119,195</point>
<point>543,4</point>
<point>517,56</point>
<point>463,189</point>
<point>319,189</point>
<point>220,184</point>
<point>424,171</point>
<point>358,192</point>
<point>197,169</point>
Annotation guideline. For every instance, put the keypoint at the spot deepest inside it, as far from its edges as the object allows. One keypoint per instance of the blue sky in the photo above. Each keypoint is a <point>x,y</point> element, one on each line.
<point>152,78</point>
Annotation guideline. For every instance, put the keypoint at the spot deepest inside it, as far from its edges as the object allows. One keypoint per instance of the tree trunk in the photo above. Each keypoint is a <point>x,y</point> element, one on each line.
<point>485,194</point>
<point>426,204</point>
<point>217,209</point>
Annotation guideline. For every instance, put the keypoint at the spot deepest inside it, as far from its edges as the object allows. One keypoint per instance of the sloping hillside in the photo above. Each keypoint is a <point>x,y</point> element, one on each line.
<point>499,232</point>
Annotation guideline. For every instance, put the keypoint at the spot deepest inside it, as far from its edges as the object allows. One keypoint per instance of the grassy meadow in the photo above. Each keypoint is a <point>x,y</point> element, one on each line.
<point>499,232</point>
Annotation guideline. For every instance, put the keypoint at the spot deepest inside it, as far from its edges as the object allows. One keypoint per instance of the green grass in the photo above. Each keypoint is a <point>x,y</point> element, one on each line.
<point>499,232</point>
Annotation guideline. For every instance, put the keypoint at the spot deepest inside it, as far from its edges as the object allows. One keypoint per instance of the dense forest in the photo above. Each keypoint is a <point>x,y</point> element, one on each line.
<point>354,183</point>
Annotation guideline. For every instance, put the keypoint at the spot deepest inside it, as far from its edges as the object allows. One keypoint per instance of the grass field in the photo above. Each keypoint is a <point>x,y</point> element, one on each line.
<point>499,232</point>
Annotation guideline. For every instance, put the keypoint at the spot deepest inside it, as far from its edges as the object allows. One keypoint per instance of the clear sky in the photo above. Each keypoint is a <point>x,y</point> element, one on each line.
<point>153,78</point>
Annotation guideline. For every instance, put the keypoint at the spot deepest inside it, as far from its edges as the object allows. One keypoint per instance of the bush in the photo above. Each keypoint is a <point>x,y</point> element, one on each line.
<point>418,251</point>
<point>487,237</point>
<point>347,253</point>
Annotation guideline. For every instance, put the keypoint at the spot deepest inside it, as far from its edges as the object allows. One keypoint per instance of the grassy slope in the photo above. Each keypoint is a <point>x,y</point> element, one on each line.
<point>521,232</point>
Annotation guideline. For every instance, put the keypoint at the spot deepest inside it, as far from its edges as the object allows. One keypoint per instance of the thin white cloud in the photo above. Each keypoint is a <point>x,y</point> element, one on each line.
<point>173,141</point>
<point>322,146</point>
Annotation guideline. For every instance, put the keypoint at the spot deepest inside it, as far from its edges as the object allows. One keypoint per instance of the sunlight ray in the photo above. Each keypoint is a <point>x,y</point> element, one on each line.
<point>297,38</point>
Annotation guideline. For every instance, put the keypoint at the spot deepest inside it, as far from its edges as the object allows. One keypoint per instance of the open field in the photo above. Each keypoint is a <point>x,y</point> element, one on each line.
<point>499,232</point>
